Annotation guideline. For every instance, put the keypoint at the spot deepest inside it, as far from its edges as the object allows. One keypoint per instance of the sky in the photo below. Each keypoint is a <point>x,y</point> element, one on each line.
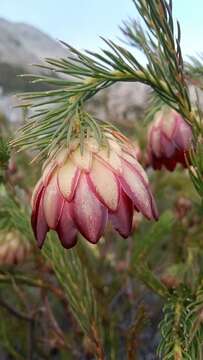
<point>81,22</point>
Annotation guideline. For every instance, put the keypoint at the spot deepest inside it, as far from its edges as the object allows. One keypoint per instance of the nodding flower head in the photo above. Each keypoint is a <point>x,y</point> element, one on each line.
<point>82,191</point>
<point>13,248</point>
<point>169,140</point>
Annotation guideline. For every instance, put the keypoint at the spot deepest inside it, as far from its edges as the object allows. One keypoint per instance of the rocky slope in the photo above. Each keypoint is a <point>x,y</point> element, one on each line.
<point>22,45</point>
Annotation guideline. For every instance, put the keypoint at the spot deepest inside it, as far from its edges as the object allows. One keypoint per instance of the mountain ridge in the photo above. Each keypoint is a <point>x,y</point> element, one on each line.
<point>29,44</point>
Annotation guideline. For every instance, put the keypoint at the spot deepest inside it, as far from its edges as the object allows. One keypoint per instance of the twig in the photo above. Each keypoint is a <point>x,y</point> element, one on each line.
<point>14,312</point>
<point>149,279</point>
<point>54,323</point>
<point>7,278</point>
<point>134,331</point>
<point>99,351</point>
<point>31,327</point>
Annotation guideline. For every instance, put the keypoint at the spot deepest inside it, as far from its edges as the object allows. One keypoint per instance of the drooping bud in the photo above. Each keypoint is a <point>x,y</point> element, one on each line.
<point>13,248</point>
<point>169,140</point>
<point>182,207</point>
<point>82,192</point>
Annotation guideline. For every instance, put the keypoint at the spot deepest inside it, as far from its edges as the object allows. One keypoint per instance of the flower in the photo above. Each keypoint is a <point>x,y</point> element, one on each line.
<point>137,151</point>
<point>170,139</point>
<point>82,191</point>
<point>13,248</point>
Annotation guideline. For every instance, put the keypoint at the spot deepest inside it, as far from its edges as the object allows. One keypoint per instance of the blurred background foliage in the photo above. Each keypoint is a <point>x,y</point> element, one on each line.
<point>43,319</point>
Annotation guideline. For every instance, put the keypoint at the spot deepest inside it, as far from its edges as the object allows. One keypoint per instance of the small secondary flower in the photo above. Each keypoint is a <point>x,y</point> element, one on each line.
<point>13,248</point>
<point>169,140</point>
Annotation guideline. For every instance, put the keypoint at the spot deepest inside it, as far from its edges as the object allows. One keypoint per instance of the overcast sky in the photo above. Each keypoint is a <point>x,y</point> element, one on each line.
<point>80,22</point>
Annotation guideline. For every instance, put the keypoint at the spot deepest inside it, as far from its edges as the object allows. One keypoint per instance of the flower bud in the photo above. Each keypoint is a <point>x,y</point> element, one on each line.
<point>12,167</point>
<point>13,248</point>
<point>169,140</point>
<point>182,207</point>
<point>82,192</point>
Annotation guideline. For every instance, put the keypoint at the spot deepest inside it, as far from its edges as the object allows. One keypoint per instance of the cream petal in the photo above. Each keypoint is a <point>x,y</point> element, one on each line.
<point>134,151</point>
<point>113,142</point>
<point>73,145</point>
<point>158,119</point>
<point>48,171</point>
<point>92,145</point>
<point>155,142</point>
<point>89,214</point>
<point>61,156</point>
<point>136,164</point>
<point>119,136</point>
<point>136,189</point>
<point>115,146</point>
<point>110,158</point>
<point>53,203</point>
<point>68,176</point>
<point>168,125</point>
<point>104,184</point>
<point>83,161</point>
<point>37,189</point>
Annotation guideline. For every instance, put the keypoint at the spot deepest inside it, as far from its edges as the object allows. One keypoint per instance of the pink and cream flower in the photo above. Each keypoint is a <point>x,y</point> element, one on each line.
<point>13,248</point>
<point>81,192</point>
<point>169,140</point>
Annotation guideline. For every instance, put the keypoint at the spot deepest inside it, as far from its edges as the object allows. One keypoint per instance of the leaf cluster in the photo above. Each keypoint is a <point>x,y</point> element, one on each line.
<point>181,328</point>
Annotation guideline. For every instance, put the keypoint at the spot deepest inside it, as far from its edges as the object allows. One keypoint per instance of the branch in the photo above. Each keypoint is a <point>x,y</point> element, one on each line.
<point>14,312</point>
<point>78,289</point>
<point>9,278</point>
